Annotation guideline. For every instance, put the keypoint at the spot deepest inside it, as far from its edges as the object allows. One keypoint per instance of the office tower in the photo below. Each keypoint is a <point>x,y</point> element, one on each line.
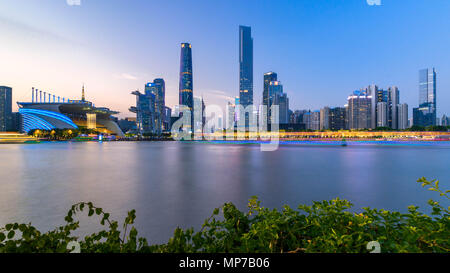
<point>379,95</point>
<point>425,114</point>
<point>315,120</point>
<point>394,101</point>
<point>382,114</point>
<point>373,91</point>
<point>157,88</point>
<point>402,114</point>
<point>359,110</point>
<point>275,89</point>
<point>283,105</point>
<point>325,118</point>
<point>307,120</point>
<point>268,77</point>
<point>338,118</point>
<point>145,112</point>
<point>186,79</point>
<point>5,108</point>
<point>245,69</point>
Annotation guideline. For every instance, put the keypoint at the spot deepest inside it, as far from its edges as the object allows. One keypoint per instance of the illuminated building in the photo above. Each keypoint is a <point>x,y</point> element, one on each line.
<point>71,114</point>
<point>268,78</point>
<point>186,95</point>
<point>157,89</point>
<point>245,69</point>
<point>359,110</point>
<point>338,118</point>
<point>145,113</point>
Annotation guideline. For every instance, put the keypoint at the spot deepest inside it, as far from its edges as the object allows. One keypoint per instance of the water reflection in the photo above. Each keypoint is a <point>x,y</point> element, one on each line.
<point>178,184</point>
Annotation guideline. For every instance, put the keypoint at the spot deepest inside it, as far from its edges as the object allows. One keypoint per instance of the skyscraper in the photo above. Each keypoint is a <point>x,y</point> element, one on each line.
<point>425,114</point>
<point>402,115</point>
<point>186,78</point>
<point>394,101</point>
<point>5,108</point>
<point>145,112</point>
<point>325,118</point>
<point>268,77</point>
<point>382,114</point>
<point>315,120</point>
<point>283,103</point>
<point>245,68</point>
<point>359,110</point>
<point>338,118</point>
<point>158,89</point>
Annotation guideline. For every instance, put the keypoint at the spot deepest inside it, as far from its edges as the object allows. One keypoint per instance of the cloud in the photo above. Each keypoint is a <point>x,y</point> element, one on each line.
<point>218,94</point>
<point>28,32</point>
<point>127,76</point>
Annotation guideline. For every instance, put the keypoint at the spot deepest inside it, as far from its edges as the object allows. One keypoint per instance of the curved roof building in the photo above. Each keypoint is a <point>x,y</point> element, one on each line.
<point>73,114</point>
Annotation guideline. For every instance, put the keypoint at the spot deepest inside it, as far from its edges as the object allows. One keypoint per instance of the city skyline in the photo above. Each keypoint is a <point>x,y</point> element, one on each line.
<point>216,80</point>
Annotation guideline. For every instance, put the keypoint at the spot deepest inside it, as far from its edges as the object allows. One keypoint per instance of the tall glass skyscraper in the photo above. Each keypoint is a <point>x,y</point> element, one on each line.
<point>157,88</point>
<point>5,108</point>
<point>245,66</point>
<point>425,114</point>
<point>268,77</point>
<point>186,78</point>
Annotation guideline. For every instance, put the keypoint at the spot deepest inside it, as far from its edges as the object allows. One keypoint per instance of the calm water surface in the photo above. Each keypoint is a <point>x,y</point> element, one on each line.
<point>174,184</point>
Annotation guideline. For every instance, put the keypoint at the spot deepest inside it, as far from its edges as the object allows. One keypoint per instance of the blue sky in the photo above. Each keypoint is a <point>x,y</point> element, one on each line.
<point>322,50</point>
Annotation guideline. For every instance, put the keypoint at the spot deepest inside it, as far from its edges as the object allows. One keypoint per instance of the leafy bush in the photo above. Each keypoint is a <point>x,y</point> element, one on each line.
<point>325,226</point>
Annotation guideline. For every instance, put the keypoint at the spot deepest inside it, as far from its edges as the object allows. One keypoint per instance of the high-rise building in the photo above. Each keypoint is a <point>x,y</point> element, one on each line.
<point>359,110</point>
<point>158,89</point>
<point>145,113</point>
<point>425,114</point>
<point>275,89</point>
<point>382,114</point>
<point>245,69</point>
<point>5,108</point>
<point>338,118</point>
<point>315,120</point>
<point>277,97</point>
<point>186,95</point>
<point>379,95</point>
<point>283,105</point>
<point>373,91</point>
<point>402,115</point>
<point>268,77</point>
<point>394,101</point>
<point>307,120</point>
<point>325,118</point>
